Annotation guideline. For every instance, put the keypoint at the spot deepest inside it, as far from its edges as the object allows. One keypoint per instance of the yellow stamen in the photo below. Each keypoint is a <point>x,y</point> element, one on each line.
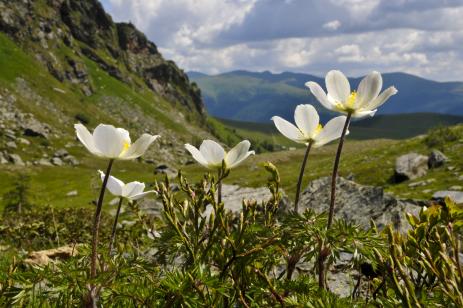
<point>351,100</point>
<point>126,145</point>
<point>318,129</point>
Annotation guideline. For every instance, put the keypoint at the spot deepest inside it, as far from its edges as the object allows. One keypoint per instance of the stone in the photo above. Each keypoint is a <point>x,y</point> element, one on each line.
<point>456,187</point>
<point>164,169</point>
<point>359,203</point>
<point>71,160</point>
<point>57,161</point>
<point>61,153</point>
<point>11,144</point>
<point>72,193</point>
<point>456,196</point>
<point>3,159</point>
<point>436,159</point>
<point>44,162</point>
<point>44,257</point>
<point>15,159</point>
<point>410,166</point>
<point>34,128</point>
<point>24,141</point>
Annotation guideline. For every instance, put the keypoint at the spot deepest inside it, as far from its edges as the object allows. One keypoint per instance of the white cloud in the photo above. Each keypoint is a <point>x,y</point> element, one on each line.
<point>332,25</point>
<point>422,37</point>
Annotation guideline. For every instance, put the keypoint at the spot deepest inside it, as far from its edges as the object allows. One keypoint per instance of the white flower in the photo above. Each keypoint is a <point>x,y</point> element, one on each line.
<point>114,143</point>
<point>211,154</point>
<point>309,128</point>
<point>131,191</point>
<point>360,103</point>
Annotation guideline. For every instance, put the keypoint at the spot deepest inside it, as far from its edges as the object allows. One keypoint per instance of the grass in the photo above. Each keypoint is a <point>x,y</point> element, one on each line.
<point>371,162</point>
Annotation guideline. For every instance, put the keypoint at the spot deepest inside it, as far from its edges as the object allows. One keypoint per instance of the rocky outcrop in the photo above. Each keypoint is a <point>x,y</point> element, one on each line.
<point>436,159</point>
<point>118,48</point>
<point>410,167</point>
<point>359,203</point>
<point>456,196</point>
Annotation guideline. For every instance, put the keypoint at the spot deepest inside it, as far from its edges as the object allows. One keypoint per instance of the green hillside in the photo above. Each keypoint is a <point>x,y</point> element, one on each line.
<point>267,138</point>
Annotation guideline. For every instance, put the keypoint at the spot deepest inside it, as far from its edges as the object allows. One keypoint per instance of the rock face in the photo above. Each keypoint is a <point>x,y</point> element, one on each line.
<point>359,203</point>
<point>456,196</point>
<point>436,159</point>
<point>118,48</point>
<point>410,166</point>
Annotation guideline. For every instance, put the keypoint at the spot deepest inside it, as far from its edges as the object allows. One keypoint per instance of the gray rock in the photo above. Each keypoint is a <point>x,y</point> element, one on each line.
<point>72,193</point>
<point>57,161</point>
<point>15,159</point>
<point>359,203</point>
<point>34,128</point>
<point>11,144</point>
<point>71,160</point>
<point>3,159</point>
<point>24,141</point>
<point>44,162</point>
<point>436,159</point>
<point>456,187</point>
<point>164,169</point>
<point>61,153</point>
<point>456,196</point>
<point>410,166</point>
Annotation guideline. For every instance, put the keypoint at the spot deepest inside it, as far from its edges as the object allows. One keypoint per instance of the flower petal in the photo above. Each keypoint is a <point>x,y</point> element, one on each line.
<point>114,185</point>
<point>239,153</point>
<point>288,130</point>
<point>382,98</point>
<point>86,138</point>
<point>212,152</point>
<point>124,135</point>
<point>139,147</point>
<point>132,189</point>
<point>307,119</point>
<point>197,155</point>
<point>108,140</point>
<point>331,131</point>
<point>364,113</point>
<point>142,195</point>
<point>368,90</point>
<point>319,94</point>
<point>337,85</point>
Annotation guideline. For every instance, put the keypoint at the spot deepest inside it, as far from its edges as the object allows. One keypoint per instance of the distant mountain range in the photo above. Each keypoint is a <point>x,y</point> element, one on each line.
<point>257,96</point>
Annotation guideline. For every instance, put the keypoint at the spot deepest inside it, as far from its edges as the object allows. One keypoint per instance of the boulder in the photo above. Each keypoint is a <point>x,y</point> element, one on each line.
<point>164,169</point>
<point>410,166</point>
<point>436,159</point>
<point>61,153</point>
<point>359,203</point>
<point>57,161</point>
<point>34,128</point>
<point>11,144</point>
<point>456,196</point>
<point>72,193</point>
<point>71,160</point>
<point>43,162</point>
<point>15,159</point>
<point>3,160</point>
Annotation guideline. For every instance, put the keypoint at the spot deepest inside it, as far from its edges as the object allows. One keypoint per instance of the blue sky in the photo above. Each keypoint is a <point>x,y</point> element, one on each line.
<point>422,37</point>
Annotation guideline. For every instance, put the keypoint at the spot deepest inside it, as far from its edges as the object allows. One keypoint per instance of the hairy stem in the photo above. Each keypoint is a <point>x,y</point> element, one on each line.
<point>335,171</point>
<point>219,186</point>
<point>96,229</point>
<point>301,175</point>
<point>113,232</point>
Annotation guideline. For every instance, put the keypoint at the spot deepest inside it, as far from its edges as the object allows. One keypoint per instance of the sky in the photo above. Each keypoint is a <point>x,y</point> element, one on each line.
<point>421,37</point>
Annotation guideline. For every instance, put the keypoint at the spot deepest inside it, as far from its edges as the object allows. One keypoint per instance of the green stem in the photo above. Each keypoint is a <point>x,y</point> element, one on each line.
<point>113,232</point>
<point>219,187</point>
<point>96,230</point>
<point>335,171</point>
<point>301,175</point>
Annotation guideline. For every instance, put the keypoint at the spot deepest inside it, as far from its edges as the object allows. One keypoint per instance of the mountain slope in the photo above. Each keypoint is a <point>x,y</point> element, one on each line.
<point>67,61</point>
<point>255,97</point>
